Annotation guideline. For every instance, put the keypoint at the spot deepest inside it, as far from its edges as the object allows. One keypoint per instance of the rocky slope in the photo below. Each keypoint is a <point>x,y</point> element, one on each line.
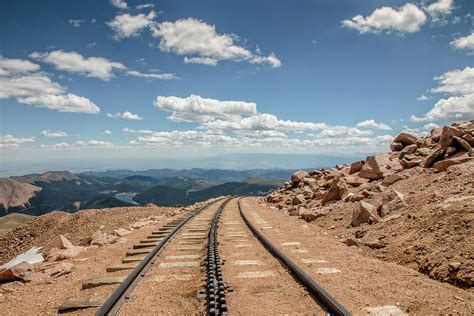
<point>413,206</point>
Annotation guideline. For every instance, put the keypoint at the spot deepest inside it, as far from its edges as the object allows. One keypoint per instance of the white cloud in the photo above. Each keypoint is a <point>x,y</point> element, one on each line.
<point>38,89</point>
<point>373,124</point>
<point>422,98</point>
<point>440,9</point>
<point>74,62</point>
<point>198,109</point>
<point>200,43</point>
<point>121,4</point>
<point>108,132</point>
<point>10,141</point>
<point>458,85</point>
<point>125,115</point>
<point>127,25</point>
<point>76,23</point>
<point>406,19</point>
<point>145,6</point>
<point>16,66</point>
<point>49,133</point>
<point>79,144</point>
<point>465,44</point>
<point>94,143</point>
<point>161,76</point>
<point>430,126</point>
<point>141,131</point>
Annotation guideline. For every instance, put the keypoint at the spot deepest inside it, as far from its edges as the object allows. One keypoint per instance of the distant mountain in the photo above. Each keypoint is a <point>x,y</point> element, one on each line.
<point>168,196</point>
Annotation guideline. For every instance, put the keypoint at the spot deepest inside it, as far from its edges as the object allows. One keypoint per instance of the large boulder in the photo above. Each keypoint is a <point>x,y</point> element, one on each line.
<point>61,254</point>
<point>463,144</point>
<point>337,191</point>
<point>19,272</point>
<point>355,181</point>
<point>406,139</point>
<point>60,242</point>
<point>363,213</point>
<point>388,180</point>
<point>436,133</point>
<point>442,165</point>
<point>379,166</point>
<point>356,166</point>
<point>447,135</point>
<point>392,200</point>
<point>410,149</point>
<point>433,157</point>
<point>298,199</point>
<point>396,146</point>
<point>298,176</point>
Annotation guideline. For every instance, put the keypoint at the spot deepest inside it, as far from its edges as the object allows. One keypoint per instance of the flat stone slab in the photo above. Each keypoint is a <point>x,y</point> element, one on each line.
<point>387,310</point>
<point>313,261</point>
<point>169,278</point>
<point>255,274</point>
<point>102,281</point>
<point>180,264</point>
<point>75,303</point>
<point>327,270</point>
<point>246,262</point>
<point>183,257</point>
<point>119,267</point>
<point>291,243</point>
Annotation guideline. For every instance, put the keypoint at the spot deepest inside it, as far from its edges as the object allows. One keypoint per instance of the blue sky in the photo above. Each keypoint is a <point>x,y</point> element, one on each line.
<point>132,81</point>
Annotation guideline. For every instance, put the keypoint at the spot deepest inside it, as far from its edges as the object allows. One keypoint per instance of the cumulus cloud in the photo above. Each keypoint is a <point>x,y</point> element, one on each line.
<point>50,133</point>
<point>79,144</point>
<point>464,44</point>
<point>439,9</point>
<point>198,109</point>
<point>422,98</point>
<point>121,4</point>
<point>406,19</point>
<point>127,25</point>
<point>10,141</point>
<point>125,115</point>
<point>430,126</point>
<point>141,131</point>
<point>76,23</point>
<point>200,43</point>
<point>108,132</point>
<point>145,6</point>
<point>374,124</point>
<point>97,67</point>
<point>459,103</point>
<point>161,76</point>
<point>38,89</point>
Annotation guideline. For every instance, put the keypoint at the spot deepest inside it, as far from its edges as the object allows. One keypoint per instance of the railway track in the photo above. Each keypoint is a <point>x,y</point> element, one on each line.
<point>211,262</point>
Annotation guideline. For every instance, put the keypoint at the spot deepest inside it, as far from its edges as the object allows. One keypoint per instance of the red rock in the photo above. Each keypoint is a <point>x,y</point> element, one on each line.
<point>396,146</point>
<point>436,133</point>
<point>433,157</point>
<point>446,137</point>
<point>410,149</point>
<point>310,215</point>
<point>392,200</point>
<point>405,138</point>
<point>356,166</point>
<point>298,199</point>
<point>446,163</point>
<point>298,176</point>
<point>337,191</point>
<point>379,166</point>
<point>60,242</point>
<point>61,254</point>
<point>19,272</point>
<point>355,181</point>
<point>363,213</point>
<point>469,138</point>
<point>391,179</point>
<point>463,144</point>
<point>451,151</point>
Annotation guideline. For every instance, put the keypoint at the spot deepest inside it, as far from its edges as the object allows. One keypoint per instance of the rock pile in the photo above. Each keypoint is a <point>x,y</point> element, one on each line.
<point>307,193</point>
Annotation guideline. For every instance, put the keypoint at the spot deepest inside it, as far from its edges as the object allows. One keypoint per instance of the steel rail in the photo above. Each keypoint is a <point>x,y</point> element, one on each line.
<point>123,291</point>
<point>317,292</point>
<point>216,302</point>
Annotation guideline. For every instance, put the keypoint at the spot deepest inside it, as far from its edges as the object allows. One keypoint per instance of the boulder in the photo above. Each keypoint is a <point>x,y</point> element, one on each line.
<point>337,191</point>
<point>61,254</point>
<point>436,133</point>
<point>406,139</point>
<point>447,135</point>
<point>391,179</point>
<point>363,213</point>
<point>310,215</point>
<point>356,166</point>
<point>442,165</point>
<point>463,144</point>
<point>100,239</point>
<point>379,166</point>
<point>298,199</point>
<point>410,149</point>
<point>355,181</point>
<point>433,157</point>
<point>275,198</point>
<point>141,223</point>
<point>60,242</point>
<point>451,151</point>
<point>469,138</point>
<point>396,146</point>
<point>19,272</point>
<point>392,200</point>
<point>298,176</point>
<point>311,182</point>
<point>407,164</point>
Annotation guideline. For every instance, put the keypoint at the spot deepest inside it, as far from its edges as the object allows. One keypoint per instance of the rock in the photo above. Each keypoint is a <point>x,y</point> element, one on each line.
<point>410,149</point>
<point>454,266</point>
<point>436,133</point>
<point>355,181</point>
<point>391,179</point>
<point>60,242</point>
<point>298,176</point>
<point>451,151</point>
<point>433,157</point>
<point>100,239</point>
<point>392,200</point>
<point>396,146</point>
<point>469,138</point>
<point>357,197</point>
<point>405,138</point>
<point>86,241</point>
<point>337,191</point>
<point>407,164</point>
<point>275,198</point>
<point>310,215</point>
<point>463,144</point>
<point>140,224</point>
<point>363,213</point>
<point>446,137</point>
<point>442,165</point>
<point>298,199</point>
<point>120,232</point>
<point>19,272</point>
<point>356,166</point>
<point>351,242</point>
<point>379,166</point>
<point>374,244</point>
<point>61,254</point>
<point>423,152</point>
<point>311,182</point>
<point>60,269</point>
